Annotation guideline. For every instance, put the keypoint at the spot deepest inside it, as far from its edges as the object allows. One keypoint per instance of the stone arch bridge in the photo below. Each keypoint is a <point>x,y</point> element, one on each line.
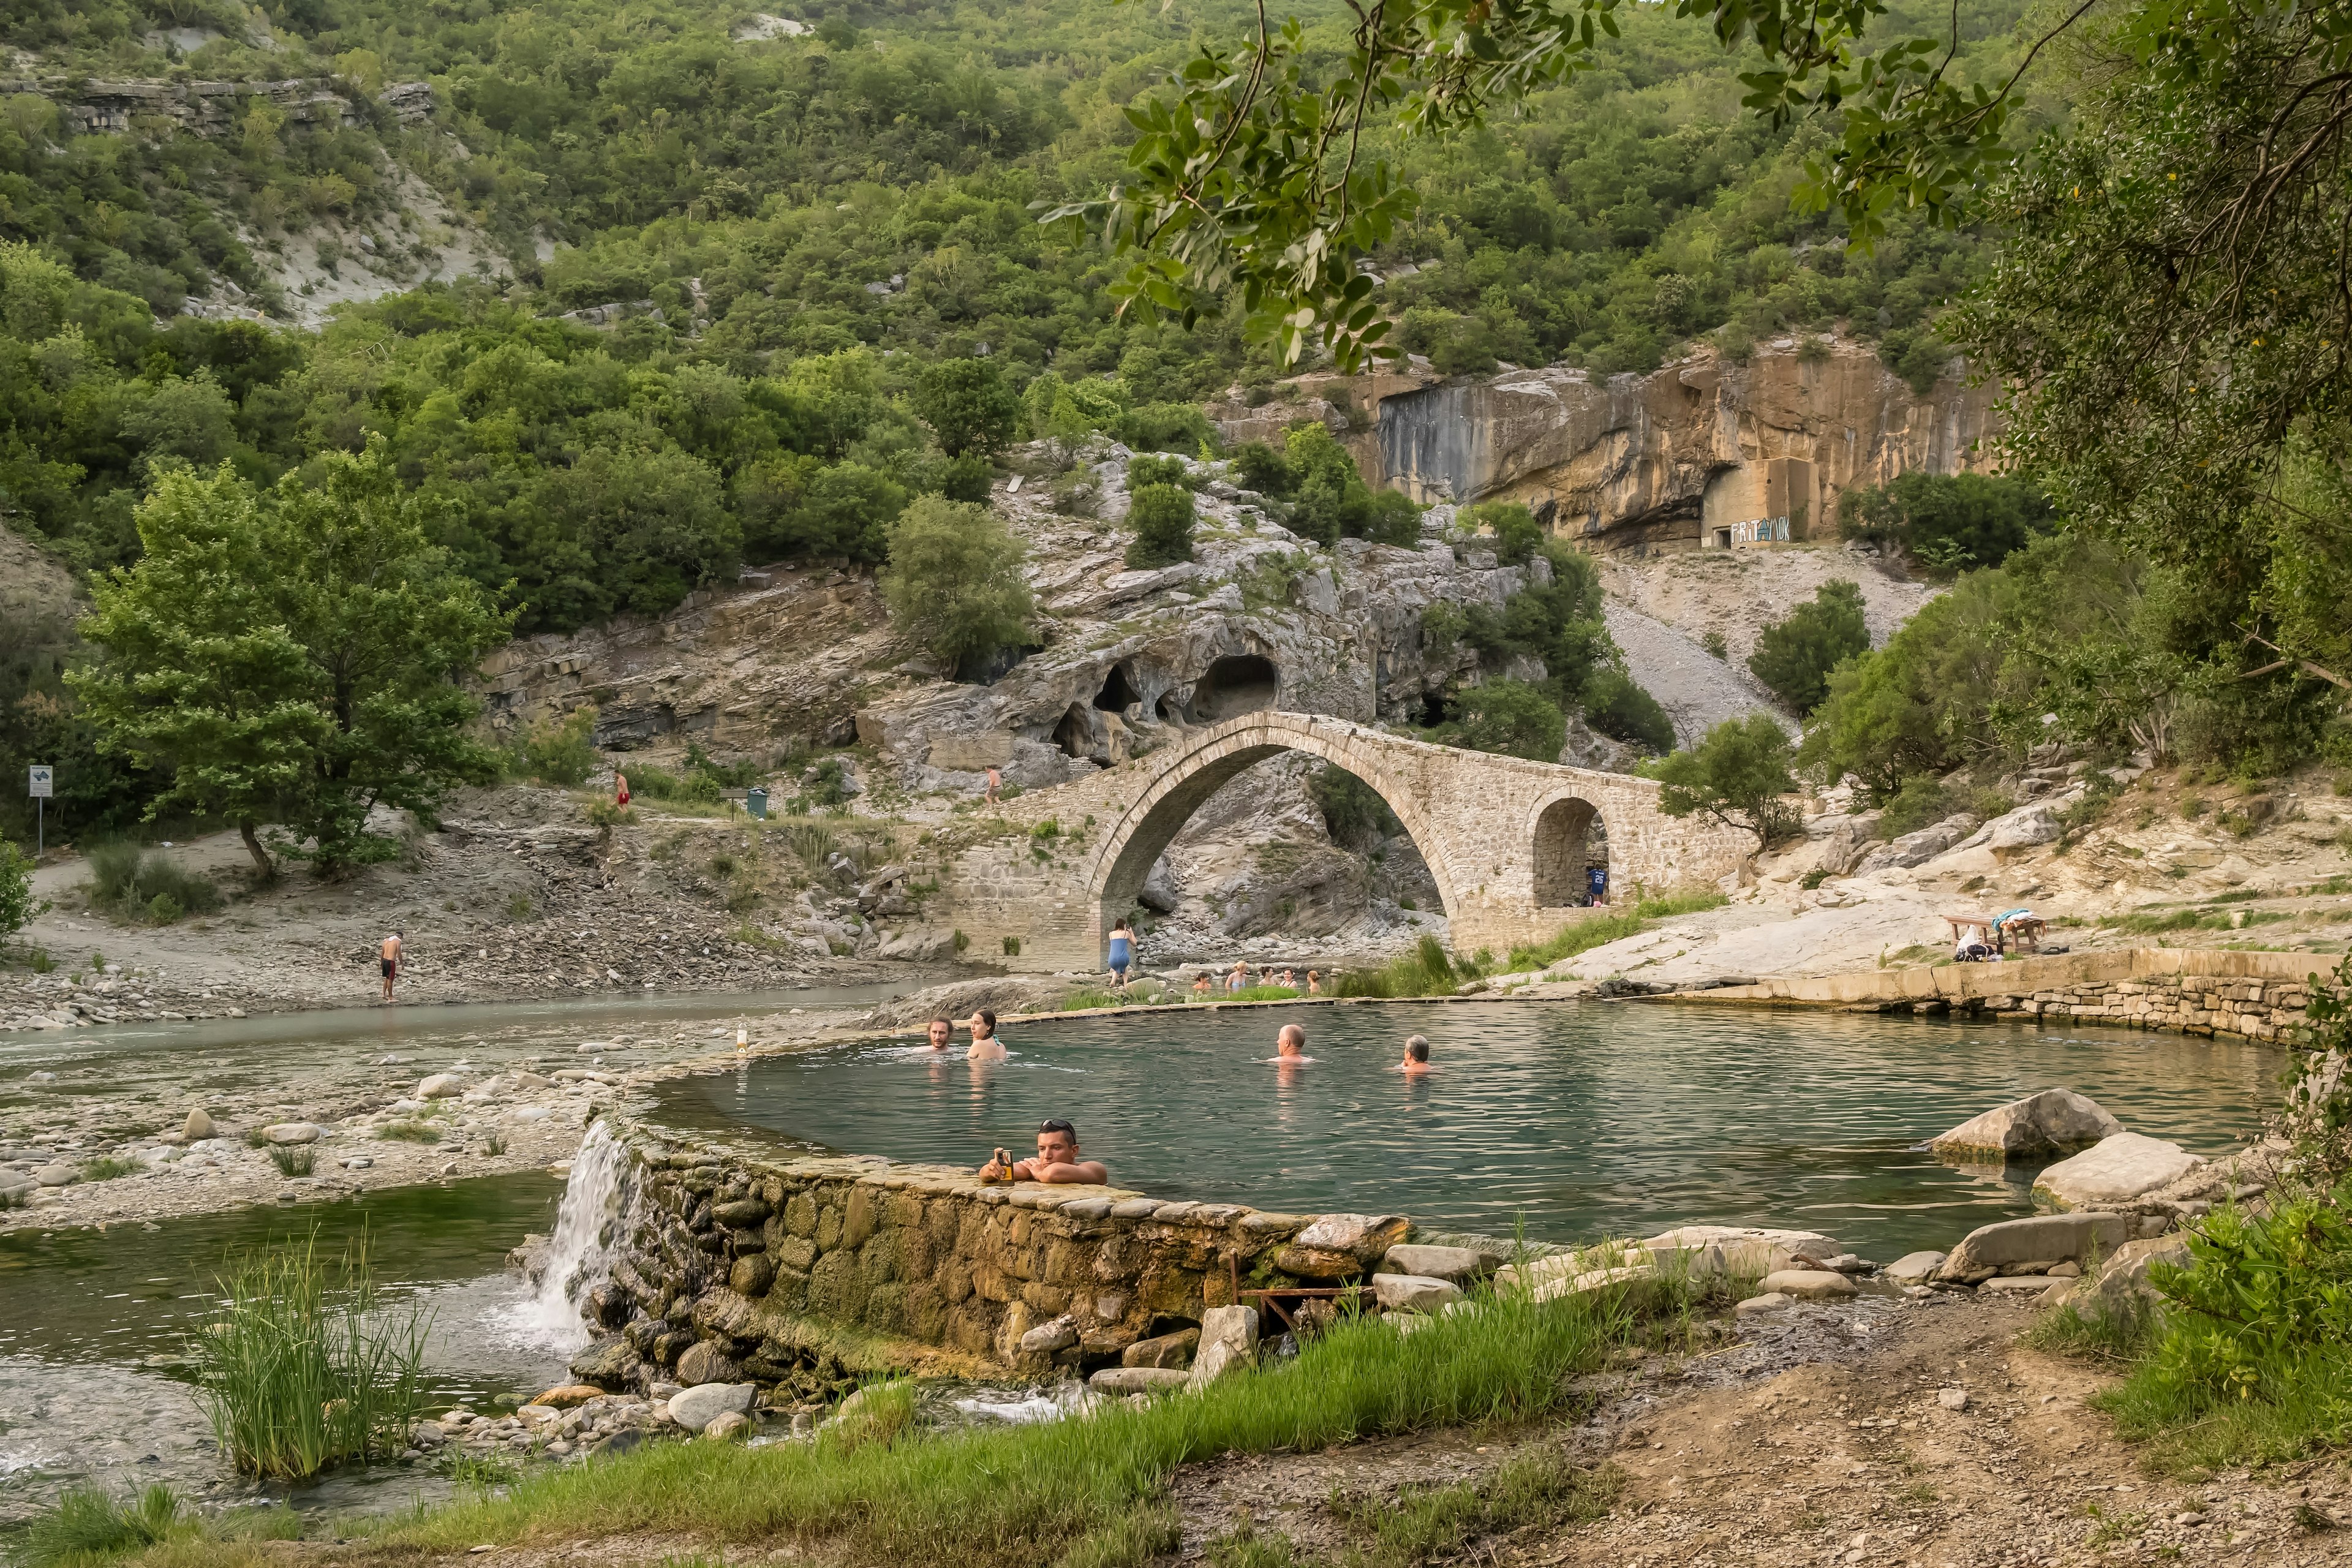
<point>1506,840</point>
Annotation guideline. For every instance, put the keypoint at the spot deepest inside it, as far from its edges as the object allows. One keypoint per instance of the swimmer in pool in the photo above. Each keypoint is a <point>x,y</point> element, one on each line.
<point>1416,1058</point>
<point>985,1046</point>
<point>942,1034</point>
<point>1058,1159</point>
<point>1290,1046</point>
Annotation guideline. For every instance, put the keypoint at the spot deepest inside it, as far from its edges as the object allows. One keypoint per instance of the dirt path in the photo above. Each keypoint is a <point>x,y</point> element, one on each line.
<point>1825,1436</point>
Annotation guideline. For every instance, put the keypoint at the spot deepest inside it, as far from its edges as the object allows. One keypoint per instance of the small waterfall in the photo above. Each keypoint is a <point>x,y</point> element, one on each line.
<point>580,1253</point>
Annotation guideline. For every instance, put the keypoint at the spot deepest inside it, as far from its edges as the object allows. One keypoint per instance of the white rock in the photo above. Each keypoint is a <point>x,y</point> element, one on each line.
<point>1413,1292</point>
<point>2116,1170</point>
<point>1771,1301</point>
<point>1046,1338</point>
<point>1455,1263</point>
<point>1228,1342</point>
<point>198,1127</point>
<point>1740,1248</point>
<point>1809,1285</point>
<point>2022,829</point>
<point>1141,1379</point>
<point>1952,1398</point>
<point>1914,1268</point>
<point>441,1086</point>
<point>697,1407</point>
<point>289,1132</point>
<point>58,1175</point>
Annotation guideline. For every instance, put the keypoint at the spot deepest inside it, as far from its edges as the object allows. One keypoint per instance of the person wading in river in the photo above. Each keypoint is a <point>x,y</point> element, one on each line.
<point>1290,1046</point>
<point>389,952</point>
<point>1058,1159</point>
<point>1122,951</point>
<point>1416,1058</point>
<point>942,1034</point>
<point>985,1046</point>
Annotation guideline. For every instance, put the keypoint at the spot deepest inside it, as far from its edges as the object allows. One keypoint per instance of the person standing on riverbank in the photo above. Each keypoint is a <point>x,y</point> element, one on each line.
<point>985,1046</point>
<point>620,787</point>
<point>994,778</point>
<point>388,953</point>
<point>1122,951</point>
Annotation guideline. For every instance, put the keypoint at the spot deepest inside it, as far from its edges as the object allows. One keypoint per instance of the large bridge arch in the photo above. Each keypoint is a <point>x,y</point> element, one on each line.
<point>1506,840</point>
<point>1187,774</point>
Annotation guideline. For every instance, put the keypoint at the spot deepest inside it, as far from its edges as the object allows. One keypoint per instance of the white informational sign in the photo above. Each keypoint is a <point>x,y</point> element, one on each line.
<point>41,778</point>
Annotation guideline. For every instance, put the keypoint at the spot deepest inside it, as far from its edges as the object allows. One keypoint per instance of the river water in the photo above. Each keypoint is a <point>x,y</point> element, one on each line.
<point>1575,1122</point>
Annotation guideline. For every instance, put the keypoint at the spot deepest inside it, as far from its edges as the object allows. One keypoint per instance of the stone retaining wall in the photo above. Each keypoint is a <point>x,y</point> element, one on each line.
<point>2196,991</point>
<point>734,1266</point>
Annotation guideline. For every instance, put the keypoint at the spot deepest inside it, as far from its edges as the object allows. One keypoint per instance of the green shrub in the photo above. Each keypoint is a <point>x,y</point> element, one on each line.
<point>1161,517</point>
<point>1738,775</point>
<point>409,1133</point>
<point>1166,427</point>
<point>561,752</point>
<point>966,402</point>
<point>1620,708</point>
<point>954,580</point>
<point>967,478</point>
<point>1518,535</point>
<point>1509,718</point>
<point>1947,521</point>
<point>1150,470</point>
<point>1794,655</point>
<point>1259,467</point>
<point>134,883</point>
<point>19,908</point>
<point>302,1366</point>
<point>298,1159</point>
<point>1426,970</point>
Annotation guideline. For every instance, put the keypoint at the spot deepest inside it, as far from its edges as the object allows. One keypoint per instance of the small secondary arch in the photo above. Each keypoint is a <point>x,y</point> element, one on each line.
<point>1570,842</point>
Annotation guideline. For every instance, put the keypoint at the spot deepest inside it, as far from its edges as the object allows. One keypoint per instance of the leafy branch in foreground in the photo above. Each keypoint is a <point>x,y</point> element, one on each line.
<point>1269,172</point>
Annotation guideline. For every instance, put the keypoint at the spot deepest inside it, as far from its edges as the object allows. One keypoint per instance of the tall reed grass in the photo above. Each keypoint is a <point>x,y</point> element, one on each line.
<point>302,1365</point>
<point>89,1526</point>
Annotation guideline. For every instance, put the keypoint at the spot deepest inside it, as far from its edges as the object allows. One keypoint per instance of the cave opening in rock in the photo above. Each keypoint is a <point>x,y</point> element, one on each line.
<point>1074,734</point>
<point>1433,709</point>
<point>1117,695</point>
<point>1237,684</point>
<point>1571,844</point>
<point>1167,712</point>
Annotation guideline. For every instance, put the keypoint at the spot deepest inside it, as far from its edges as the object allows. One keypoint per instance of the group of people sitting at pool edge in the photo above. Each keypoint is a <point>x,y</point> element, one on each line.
<point>1206,983</point>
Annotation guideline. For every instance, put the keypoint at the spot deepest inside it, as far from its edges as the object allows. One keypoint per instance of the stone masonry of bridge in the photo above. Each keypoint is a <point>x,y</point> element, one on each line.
<point>1504,838</point>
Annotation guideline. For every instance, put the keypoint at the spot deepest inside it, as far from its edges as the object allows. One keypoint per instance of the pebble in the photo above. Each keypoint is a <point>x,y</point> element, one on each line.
<point>1771,1301</point>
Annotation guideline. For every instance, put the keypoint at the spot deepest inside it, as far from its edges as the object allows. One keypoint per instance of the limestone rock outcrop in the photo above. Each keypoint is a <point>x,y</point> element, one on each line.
<point>2116,1171</point>
<point>1641,460</point>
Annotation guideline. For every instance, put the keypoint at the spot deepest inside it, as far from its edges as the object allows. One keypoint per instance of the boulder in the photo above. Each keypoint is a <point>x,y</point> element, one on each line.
<point>1918,848</point>
<point>2054,1122</point>
<point>1809,1285</point>
<point>2123,1280</point>
<point>1341,1246</point>
<point>609,1364</point>
<point>739,1213</point>
<point>695,1408</point>
<point>2045,1239</point>
<point>1168,1352</point>
<point>1771,1301</point>
<point>198,1126</point>
<point>291,1132</point>
<point>1454,1263</point>
<point>1704,1249</point>
<point>728,1426</point>
<point>1413,1292</point>
<point>441,1086</point>
<point>2018,1284</point>
<point>1059,1334</point>
<point>1638,1281</point>
<point>2020,830</point>
<point>1228,1342</point>
<point>569,1394</point>
<point>1137,1380</point>
<point>706,1361</point>
<point>58,1175</point>
<point>753,1274</point>
<point>1916,1268</point>
<point>2116,1170</point>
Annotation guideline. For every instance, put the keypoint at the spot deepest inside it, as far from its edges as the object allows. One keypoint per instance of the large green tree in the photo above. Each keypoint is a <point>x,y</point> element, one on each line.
<point>292,654</point>
<point>1794,655</point>
<point>954,582</point>
<point>1737,775</point>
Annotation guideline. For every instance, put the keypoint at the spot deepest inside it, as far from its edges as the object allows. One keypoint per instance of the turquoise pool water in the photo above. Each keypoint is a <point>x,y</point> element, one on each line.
<point>1574,1120</point>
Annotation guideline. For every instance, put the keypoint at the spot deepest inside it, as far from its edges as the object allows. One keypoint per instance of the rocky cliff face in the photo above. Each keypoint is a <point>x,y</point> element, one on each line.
<point>1640,460</point>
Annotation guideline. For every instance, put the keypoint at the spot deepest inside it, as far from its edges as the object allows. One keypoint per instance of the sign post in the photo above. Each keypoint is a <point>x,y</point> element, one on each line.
<point>40,781</point>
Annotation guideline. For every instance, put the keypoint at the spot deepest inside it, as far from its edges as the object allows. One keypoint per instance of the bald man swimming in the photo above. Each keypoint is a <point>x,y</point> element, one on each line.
<point>1290,1046</point>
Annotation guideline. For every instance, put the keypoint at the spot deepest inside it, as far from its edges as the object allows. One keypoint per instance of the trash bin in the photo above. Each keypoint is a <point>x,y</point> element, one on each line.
<point>755,801</point>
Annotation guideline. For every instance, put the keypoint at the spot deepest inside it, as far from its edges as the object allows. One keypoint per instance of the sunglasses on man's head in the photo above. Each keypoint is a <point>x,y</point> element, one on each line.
<point>1058,1125</point>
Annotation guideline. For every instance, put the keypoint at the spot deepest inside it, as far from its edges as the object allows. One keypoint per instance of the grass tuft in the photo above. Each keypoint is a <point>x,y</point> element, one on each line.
<point>408,1132</point>
<point>298,1369</point>
<point>106,1168</point>
<point>296,1160</point>
<point>1602,929</point>
<point>87,1526</point>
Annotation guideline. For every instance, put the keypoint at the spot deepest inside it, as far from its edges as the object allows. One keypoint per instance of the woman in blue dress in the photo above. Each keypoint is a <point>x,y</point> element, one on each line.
<point>1122,951</point>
